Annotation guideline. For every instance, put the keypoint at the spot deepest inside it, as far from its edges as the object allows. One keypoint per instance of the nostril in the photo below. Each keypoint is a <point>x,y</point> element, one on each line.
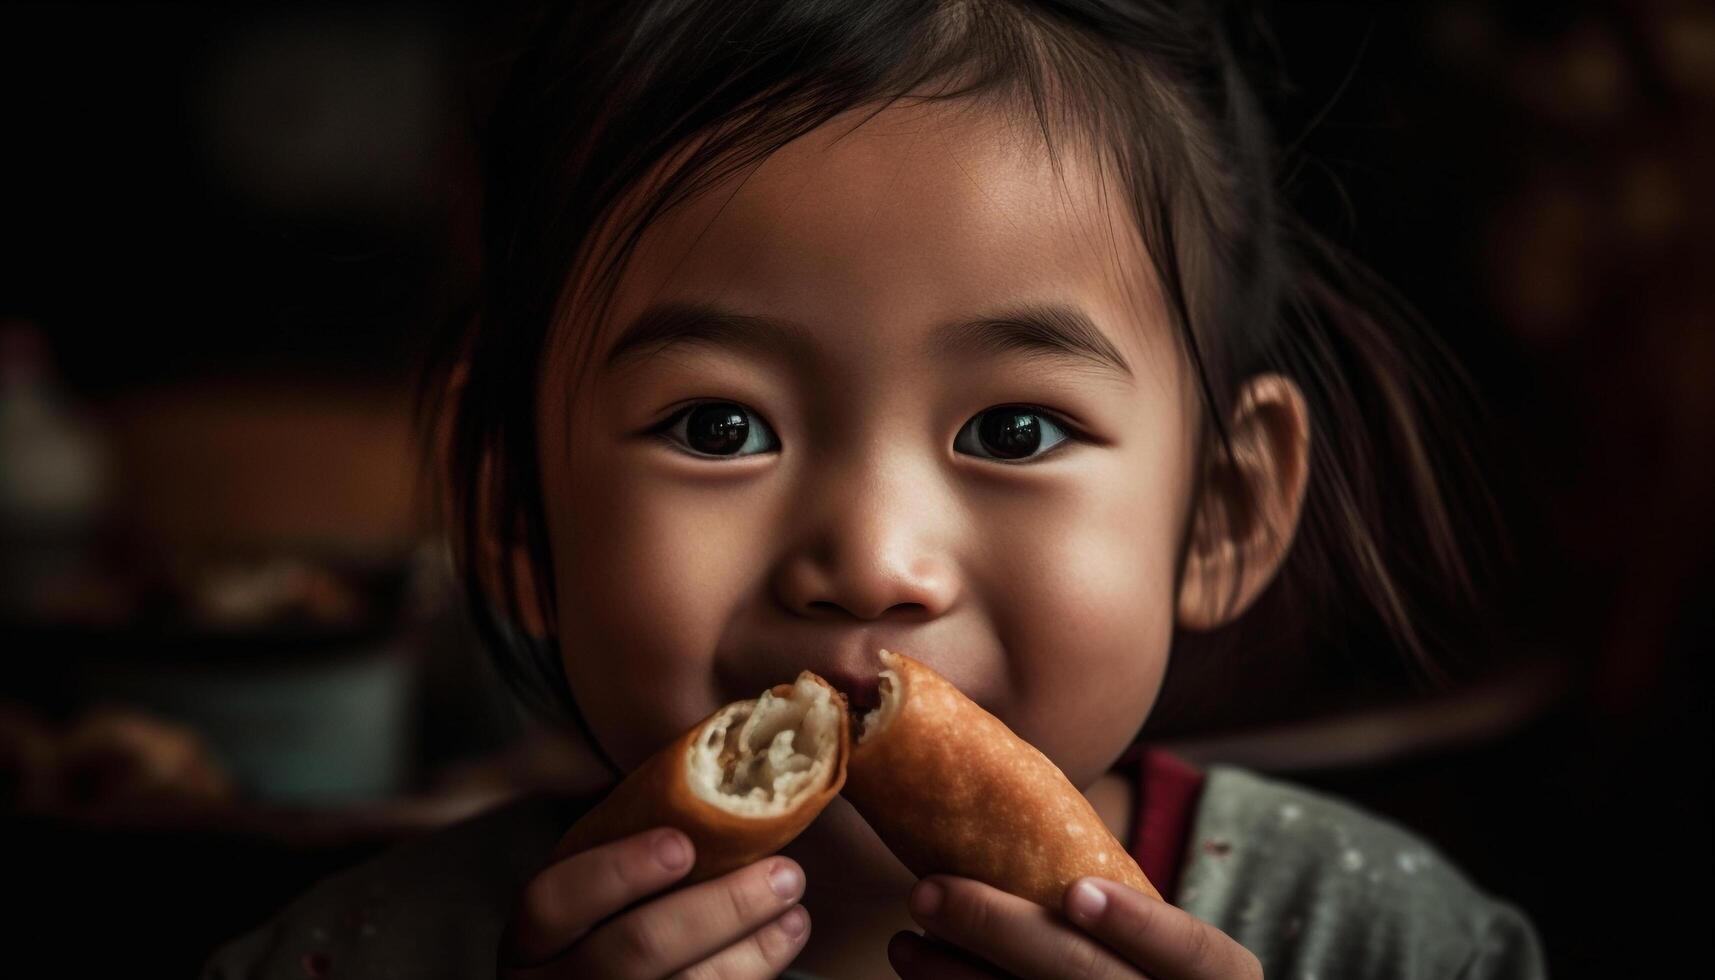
<point>905,610</point>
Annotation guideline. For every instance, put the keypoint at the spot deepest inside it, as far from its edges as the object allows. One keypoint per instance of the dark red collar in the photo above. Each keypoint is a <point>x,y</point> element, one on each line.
<point>1168,789</point>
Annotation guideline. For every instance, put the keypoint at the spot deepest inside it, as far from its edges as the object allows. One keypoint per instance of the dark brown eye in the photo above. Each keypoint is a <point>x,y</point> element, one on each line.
<point>1009,432</point>
<point>721,429</point>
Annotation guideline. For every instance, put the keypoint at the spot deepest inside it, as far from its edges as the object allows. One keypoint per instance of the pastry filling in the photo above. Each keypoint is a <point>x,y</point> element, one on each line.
<point>759,758</point>
<point>878,718</point>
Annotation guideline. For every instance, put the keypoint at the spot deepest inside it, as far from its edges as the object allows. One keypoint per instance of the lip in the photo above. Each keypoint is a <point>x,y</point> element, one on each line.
<point>853,668</point>
<point>851,663</point>
<point>862,691</point>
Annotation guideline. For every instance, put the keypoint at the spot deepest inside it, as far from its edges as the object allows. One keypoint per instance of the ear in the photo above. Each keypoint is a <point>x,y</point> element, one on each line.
<point>1247,510</point>
<point>496,552</point>
<point>497,556</point>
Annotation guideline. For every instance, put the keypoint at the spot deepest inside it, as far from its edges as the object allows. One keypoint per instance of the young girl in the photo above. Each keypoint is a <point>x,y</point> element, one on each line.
<point>968,328</point>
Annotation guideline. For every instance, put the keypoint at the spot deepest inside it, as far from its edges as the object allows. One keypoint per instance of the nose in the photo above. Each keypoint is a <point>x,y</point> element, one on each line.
<point>870,545</point>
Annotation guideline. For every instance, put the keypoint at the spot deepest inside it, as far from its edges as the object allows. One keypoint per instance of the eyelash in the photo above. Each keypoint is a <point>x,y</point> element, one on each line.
<point>1073,434</point>
<point>664,429</point>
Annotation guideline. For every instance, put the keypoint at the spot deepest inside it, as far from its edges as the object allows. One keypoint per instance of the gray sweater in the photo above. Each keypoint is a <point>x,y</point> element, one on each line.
<point>1317,889</point>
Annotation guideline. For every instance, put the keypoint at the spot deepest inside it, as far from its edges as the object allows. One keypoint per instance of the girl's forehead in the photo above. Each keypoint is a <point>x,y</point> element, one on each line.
<point>920,215</point>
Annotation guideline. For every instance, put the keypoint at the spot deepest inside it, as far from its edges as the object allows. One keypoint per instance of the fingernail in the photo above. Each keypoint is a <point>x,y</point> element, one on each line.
<point>1086,902</point>
<point>794,922</point>
<point>926,899</point>
<point>671,851</point>
<point>786,880</point>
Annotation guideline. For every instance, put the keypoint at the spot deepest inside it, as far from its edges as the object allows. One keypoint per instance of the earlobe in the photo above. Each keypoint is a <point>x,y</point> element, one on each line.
<point>1248,506</point>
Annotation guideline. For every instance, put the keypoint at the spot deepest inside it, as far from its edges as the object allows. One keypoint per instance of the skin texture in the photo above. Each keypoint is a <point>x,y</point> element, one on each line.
<point>1045,590</point>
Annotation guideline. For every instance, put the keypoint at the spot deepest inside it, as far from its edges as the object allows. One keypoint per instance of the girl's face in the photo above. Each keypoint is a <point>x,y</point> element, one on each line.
<point>901,437</point>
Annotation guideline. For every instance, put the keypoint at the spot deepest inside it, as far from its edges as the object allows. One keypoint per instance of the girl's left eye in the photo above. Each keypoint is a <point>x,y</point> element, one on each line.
<point>719,429</point>
<point>1010,432</point>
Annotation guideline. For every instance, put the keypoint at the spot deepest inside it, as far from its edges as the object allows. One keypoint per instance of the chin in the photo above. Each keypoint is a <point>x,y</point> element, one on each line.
<point>840,849</point>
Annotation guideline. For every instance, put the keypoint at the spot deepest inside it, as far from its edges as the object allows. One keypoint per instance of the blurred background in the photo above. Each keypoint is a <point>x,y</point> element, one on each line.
<point>231,657</point>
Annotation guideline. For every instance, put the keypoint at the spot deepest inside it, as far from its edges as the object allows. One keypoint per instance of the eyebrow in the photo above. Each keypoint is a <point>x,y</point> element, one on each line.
<point>1053,331</point>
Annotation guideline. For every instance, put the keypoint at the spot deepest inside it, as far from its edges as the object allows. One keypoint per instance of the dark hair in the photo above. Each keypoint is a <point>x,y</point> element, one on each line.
<point>604,92</point>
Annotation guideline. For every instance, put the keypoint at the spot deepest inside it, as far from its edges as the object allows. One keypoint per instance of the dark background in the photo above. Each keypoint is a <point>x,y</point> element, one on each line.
<point>230,232</point>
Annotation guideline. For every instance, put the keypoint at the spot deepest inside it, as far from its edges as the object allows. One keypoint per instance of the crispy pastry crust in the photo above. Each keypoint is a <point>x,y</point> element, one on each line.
<point>951,789</point>
<point>658,793</point>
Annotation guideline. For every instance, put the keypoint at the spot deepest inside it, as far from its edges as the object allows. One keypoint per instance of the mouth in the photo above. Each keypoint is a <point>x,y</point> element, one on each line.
<point>862,690</point>
<point>852,666</point>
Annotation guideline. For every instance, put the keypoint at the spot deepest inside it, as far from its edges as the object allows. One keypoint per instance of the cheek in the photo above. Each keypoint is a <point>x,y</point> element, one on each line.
<point>1091,618</point>
<point>646,576</point>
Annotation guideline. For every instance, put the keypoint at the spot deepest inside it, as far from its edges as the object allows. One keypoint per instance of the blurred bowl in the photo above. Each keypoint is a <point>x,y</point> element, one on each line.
<point>295,704</point>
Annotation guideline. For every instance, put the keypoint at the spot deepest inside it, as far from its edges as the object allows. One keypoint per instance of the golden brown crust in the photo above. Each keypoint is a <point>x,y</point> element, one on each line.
<point>951,789</point>
<point>658,793</point>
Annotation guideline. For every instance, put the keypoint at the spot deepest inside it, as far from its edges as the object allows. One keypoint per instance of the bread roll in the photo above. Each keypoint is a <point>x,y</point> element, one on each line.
<point>949,788</point>
<point>741,784</point>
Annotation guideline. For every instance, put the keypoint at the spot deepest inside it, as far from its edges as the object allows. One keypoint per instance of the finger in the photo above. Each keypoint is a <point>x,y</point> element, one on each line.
<point>568,898</point>
<point>913,957</point>
<point>1011,932</point>
<point>683,927</point>
<point>1169,941</point>
<point>762,954</point>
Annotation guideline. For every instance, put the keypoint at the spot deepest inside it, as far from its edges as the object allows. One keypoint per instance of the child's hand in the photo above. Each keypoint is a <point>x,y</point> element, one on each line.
<point>1133,936</point>
<point>574,918</point>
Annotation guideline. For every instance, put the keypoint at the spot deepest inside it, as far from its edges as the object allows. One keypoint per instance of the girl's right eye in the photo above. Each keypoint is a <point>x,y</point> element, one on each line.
<point>718,429</point>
